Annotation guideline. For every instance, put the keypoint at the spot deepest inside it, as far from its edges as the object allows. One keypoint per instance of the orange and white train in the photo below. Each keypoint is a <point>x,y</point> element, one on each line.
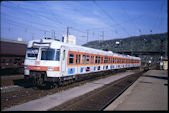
<point>53,61</point>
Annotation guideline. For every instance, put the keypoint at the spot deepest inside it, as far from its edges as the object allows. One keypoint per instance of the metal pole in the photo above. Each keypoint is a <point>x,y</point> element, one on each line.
<point>68,34</point>
<point>103,35</point>
<point>87,36</point>
<point>54,34</point>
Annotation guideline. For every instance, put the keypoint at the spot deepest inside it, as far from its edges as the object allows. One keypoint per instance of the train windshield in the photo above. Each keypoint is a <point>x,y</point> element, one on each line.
<point>50,54</point>
<point>32,53</point>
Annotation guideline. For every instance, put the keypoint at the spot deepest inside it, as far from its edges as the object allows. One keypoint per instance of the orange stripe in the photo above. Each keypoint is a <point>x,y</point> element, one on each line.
<point>42,68</point>
<point>98,64</point>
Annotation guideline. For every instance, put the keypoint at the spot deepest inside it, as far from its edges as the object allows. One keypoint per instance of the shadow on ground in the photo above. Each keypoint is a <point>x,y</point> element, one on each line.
<point>23,83</point>
<point>158,77</point>
<point>145,82</point>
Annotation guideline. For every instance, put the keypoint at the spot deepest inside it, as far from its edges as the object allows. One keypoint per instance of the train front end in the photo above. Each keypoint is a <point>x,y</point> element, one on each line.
<point>42,62</point>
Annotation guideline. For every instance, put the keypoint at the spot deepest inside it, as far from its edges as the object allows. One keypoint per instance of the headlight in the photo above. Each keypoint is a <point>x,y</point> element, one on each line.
<point>50,68</point>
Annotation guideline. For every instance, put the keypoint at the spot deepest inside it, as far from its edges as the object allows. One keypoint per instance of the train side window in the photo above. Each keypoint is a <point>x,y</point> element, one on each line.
<point>98,59</point>
<point>83,59</point>
<point>105,59</point>
<point>77,58</point>
<point>71,58</point>
<point>95,59</point>
<point>87,59</point>
<point>102,60</point>
<point>111,60</point>
<point>91,59</point>
<point>57,55</point>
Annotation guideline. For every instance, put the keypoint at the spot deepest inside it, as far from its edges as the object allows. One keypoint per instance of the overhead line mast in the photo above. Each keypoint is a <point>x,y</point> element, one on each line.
<point>68,33</point>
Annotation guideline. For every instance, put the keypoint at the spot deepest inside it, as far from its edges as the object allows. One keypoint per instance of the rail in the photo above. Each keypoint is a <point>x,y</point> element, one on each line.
<point>100,98</point>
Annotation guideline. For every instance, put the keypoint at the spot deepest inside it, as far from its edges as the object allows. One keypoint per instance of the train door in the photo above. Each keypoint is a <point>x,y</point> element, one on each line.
<point>63,60</point>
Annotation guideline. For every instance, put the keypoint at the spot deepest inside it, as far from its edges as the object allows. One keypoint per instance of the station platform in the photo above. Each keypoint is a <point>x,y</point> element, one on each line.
<point>149,92</point>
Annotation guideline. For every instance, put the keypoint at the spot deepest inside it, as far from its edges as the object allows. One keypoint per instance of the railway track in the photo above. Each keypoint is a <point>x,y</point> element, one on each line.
<point>100,98</point>
<point>9,99</point>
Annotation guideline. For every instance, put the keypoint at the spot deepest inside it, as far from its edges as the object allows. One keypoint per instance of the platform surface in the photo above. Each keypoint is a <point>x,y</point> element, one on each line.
<point>149,92</point>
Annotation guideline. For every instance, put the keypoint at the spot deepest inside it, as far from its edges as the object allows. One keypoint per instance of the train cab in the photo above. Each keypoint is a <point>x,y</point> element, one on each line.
<point>42,60</point>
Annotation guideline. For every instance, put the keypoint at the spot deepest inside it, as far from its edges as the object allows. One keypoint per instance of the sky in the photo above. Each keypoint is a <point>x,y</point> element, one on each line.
<point>87,20</point>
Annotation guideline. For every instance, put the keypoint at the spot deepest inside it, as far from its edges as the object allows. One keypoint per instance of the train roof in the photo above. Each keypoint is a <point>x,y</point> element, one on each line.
<point>58,44</point>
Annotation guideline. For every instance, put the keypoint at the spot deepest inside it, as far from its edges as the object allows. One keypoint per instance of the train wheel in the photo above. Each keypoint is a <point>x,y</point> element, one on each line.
<point>39,80</point>
<point>60,83</point>
<point>48,85</point>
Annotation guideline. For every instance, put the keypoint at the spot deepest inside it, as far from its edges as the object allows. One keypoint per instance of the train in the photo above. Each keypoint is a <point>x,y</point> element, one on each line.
<point>12,55</point>
<point>52,61</point>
